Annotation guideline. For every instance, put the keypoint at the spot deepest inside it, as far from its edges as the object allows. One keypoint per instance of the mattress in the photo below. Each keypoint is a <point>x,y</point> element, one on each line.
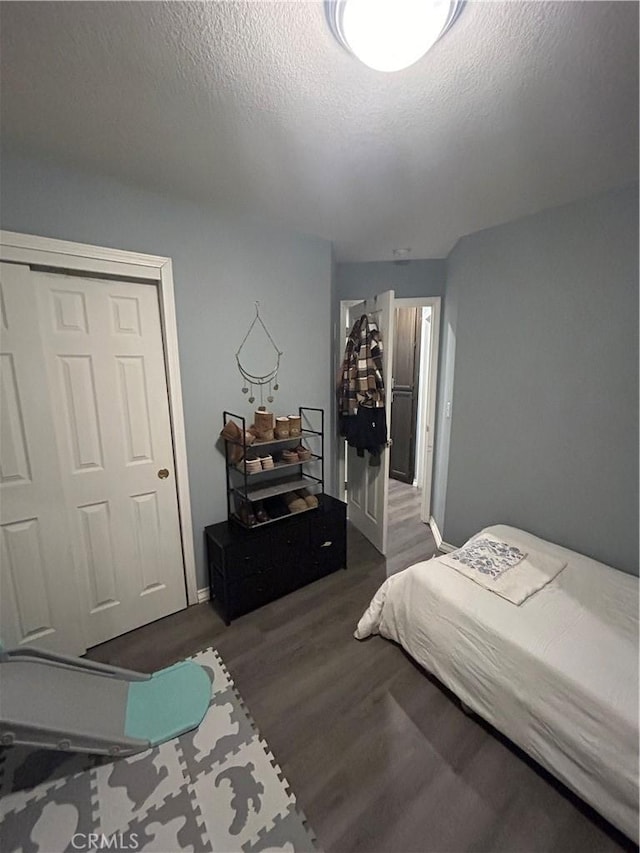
<point>558,674</point>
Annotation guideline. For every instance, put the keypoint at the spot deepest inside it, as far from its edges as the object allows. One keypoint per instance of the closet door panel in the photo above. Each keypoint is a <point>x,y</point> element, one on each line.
<point>39,602</point>
<point>105,359</point>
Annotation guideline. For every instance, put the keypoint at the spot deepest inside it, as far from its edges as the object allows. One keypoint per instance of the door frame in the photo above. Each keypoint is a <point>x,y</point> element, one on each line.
<point>345,304</point>
<point>429,400</point>
<point>153,269</point>
<point>416,394</point>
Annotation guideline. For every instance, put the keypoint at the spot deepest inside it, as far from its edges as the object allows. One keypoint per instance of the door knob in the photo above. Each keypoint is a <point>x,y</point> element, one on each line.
<point>163,473</point>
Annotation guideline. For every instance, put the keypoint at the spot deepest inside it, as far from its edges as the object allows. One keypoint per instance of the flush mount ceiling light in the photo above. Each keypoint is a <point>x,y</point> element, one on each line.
<point>401,257</point>
<point>388,35</point>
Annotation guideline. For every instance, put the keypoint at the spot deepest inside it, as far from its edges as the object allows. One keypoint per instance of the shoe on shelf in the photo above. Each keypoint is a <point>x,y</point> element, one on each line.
<point>282,428</point>
<point>261,514</point>
<point>246,515</point>
<point>310,500</point>
<point>295,425</point>
<point>233,434</point>
<point>295,502</point>
<point>251,466</point>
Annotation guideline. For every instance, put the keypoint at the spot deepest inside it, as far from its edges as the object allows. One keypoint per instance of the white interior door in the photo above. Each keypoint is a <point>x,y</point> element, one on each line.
<point>103,356</point>
<point>39,600</point>
<point>368,485</point>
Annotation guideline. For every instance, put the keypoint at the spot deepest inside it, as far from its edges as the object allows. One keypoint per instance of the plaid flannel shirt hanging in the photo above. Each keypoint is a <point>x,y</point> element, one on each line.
<point>361,381</point>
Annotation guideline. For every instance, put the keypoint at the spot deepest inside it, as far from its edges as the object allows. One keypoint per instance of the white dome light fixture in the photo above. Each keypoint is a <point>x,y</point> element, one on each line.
<point>389,35</point>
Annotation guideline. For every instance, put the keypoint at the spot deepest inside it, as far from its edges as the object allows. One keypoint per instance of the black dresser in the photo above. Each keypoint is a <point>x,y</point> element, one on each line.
<point>248,568</point>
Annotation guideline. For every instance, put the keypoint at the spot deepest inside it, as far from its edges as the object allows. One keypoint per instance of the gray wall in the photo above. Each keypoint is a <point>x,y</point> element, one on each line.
<point>543,316</point>
<point>538,345</point>
<point>417,278</point>
<point>221,265</point>
<point>442,439</point>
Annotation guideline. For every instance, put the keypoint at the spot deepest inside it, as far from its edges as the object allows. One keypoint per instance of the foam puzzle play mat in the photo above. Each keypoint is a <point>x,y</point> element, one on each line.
<point>216,788</point>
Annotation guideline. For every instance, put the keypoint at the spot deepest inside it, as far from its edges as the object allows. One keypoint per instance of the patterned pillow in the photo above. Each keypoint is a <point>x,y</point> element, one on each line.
<point>488,556</point>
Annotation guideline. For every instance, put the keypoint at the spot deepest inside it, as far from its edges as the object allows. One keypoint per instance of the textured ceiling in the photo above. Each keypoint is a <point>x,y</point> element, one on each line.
<point>252,105</point>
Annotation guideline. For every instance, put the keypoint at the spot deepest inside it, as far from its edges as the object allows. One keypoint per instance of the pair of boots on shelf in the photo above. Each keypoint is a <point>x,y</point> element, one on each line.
<point>251,514</point>
<point>297,454</point>
<point>247,515</point>
<point>300,500</point>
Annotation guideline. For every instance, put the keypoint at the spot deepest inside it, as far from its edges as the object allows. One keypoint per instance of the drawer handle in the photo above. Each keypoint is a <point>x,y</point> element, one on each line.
<point>327,544</point>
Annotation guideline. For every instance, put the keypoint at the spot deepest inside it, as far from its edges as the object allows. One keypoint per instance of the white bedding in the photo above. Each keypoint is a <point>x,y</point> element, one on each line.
<point>558,674</point>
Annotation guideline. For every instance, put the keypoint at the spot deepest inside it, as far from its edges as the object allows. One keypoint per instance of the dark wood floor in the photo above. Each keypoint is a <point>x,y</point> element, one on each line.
<point>409,539</point>
<point>379,755</point>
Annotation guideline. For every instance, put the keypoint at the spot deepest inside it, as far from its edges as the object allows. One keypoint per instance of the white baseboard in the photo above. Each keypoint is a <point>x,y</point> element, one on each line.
<point>203,594</point>
<point>442,545</point>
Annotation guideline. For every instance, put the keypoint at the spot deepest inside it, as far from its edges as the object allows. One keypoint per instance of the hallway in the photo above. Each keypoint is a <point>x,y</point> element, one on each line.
<point>410,540</point>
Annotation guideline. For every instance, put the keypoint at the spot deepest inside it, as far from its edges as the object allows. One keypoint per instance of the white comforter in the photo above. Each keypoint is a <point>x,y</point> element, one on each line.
<point>558,674</point>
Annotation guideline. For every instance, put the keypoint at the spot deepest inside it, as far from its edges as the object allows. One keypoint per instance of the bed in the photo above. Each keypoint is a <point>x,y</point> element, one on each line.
<point>558,674</point>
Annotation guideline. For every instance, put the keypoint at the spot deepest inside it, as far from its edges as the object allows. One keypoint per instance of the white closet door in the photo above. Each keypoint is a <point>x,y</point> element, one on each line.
<point>39,601</point>
<point>90,536</point>
<point>104,356</point>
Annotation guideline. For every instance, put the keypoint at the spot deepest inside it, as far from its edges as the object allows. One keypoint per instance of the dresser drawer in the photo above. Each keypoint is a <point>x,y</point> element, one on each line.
<point>329,527</point>
<point>328,557</point>
<point>289,544</point>
<point>244,559</point>
<point>328,541</point>
<point>250,593</point>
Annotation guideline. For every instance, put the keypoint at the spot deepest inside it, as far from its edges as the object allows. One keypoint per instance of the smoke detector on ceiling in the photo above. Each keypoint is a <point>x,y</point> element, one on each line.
<point>401,256</point>
<point>389,35</point>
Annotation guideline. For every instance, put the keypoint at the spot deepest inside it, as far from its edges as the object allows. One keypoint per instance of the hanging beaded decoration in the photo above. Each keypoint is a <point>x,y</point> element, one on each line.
<point>251,380</point>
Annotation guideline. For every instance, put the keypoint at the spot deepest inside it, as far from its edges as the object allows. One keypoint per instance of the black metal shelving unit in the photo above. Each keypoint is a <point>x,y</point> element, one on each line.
<point>283,477</point>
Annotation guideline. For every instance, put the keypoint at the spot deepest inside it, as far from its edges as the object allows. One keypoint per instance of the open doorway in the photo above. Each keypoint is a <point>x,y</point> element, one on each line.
<point>411,390</point>
<point>409,393</point>
<point>408,396</point>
